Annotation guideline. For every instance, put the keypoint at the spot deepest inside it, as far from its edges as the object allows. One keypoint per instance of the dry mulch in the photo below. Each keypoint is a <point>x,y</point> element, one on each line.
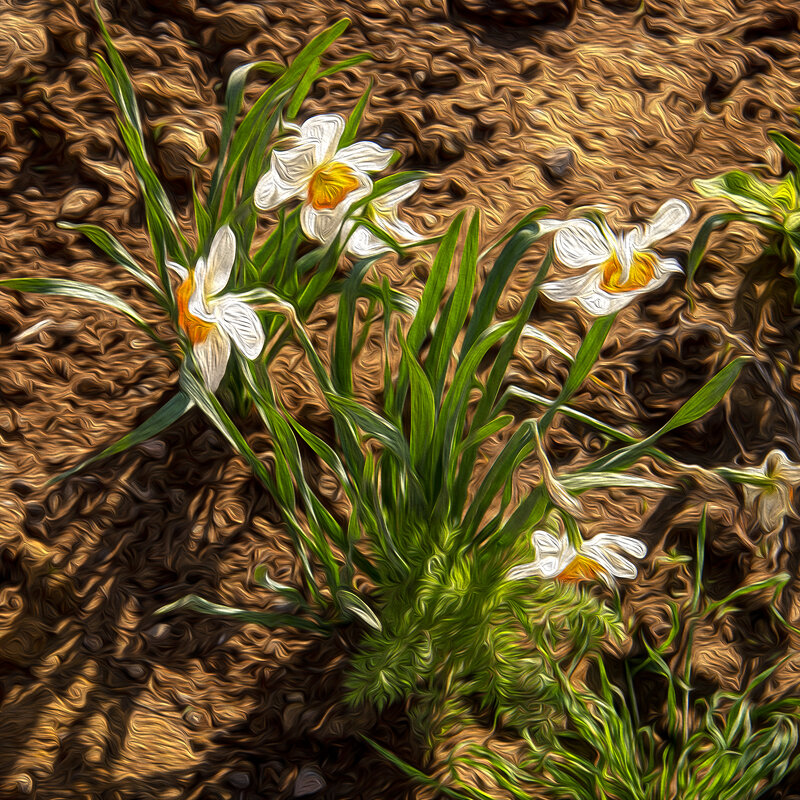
<point>511,104</point>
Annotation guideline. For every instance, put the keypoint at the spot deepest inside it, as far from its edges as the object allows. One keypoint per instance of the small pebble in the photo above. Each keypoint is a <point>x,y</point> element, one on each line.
<point>79,202</point>
<point>194,717</point>
<point>309,781</point>
<point>558,163</point>
<point>135,671</point>
<point>239,779</point>
<point>24,783</point>
<point>155,448</point>
<point>159,632</point>
<point>92,642</point>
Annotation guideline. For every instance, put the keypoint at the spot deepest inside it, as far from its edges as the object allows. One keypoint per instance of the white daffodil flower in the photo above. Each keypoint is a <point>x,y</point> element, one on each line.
<point>382,212</point>
<point>598,557</point>
<point>212,320</point>
<point>622,266</point>
<point>327,179</point>
<point>773,496</point>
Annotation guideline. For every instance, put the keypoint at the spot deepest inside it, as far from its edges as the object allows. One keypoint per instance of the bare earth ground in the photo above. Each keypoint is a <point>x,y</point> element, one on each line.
<point>512,103</point>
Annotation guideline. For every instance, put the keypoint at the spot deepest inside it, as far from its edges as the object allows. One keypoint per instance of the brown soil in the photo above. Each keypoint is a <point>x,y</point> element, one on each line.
<point>511,103</point>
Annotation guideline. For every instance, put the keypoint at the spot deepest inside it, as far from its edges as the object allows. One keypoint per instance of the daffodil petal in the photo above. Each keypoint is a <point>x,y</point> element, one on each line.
<point>664,266</point>
<point>386,203</point>
<point>603,549</point>
<point>271,191</point>
<point>611,563</point>
<point>323,132</point>
<point>550,225</point>
<point>212,357</point>
<point>566,289</point>
<point>178,269</point>
<point>241,324</point>
<point>363,243</point>
<point>198,305</point>
<point>673,215</point>
<point>553,556</point>
<point>366,156</point>
<point>322,224</point>
<point>778,465</point>
<point>522,571</point>
<point>401,230</point>
<point>632,546</point>
<point>288,176</point>
<point>580,243</point>
<point>773,506</point>
<point>546,543</point>
<point>221,258</point>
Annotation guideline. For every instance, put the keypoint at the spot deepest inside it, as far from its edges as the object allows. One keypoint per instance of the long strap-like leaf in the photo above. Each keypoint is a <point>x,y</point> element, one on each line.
<point>169,413</point>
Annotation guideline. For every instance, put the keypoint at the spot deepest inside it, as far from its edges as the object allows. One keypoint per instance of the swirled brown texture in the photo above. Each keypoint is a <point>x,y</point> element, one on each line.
<point>510,104</point>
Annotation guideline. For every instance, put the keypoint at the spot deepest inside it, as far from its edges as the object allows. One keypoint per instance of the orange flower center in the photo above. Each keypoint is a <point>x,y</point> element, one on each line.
<point>641,272</point>
<point>196,329</point>
<point>330,184</point>
<point>580,568</point>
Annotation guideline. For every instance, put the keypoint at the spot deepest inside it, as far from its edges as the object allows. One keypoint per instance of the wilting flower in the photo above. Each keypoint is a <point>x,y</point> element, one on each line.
<point>212,320</point>
<point>772,497</point>
<point>382,212</point>
<point>598,557</point>
<point>328,180</point>
<point>622,265</point>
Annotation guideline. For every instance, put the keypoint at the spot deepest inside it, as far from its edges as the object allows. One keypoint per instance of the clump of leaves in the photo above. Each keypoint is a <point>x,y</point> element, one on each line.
<point>435,533</point>
<point>228,289</point>
<point>772,206</point>
<point>734,745</point>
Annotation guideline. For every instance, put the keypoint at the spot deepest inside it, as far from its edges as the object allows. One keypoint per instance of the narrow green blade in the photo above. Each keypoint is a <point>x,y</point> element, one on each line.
<point>169,413</point>
<point>78,291</point>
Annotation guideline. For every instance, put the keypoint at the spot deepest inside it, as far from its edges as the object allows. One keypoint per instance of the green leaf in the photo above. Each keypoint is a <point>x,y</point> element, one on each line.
<point>111,247</point>
<point>413,772</point>
<point>434,286</point>
<point>214,411</point>
<point>342,362</point>
<point>747,192</point>
<point>126,98</point>
<point>202,219</point>
<point>234,95</point>
<point>526,222</point>
<point>373,425</point>
<point>429,303</point>
<point>715,221</point>
<point>581,482</point>
<point>194,603</point>
<point>489,297</point>
<point>697,406</point>
<point>584,361</point>
<point>423,409</point>
<point>78,291</point>
<point>497,375</point>
<point>503,466</point>
<point>354,120</point>
<point>477,437</point>
<point>169,413</point>
<point>532,332</point>
<point>455,311</point>
<point>262,577</point>
<point>345,63</point>
<point>303,88</point>
<point>353,605</point>
<point>788,147</point>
